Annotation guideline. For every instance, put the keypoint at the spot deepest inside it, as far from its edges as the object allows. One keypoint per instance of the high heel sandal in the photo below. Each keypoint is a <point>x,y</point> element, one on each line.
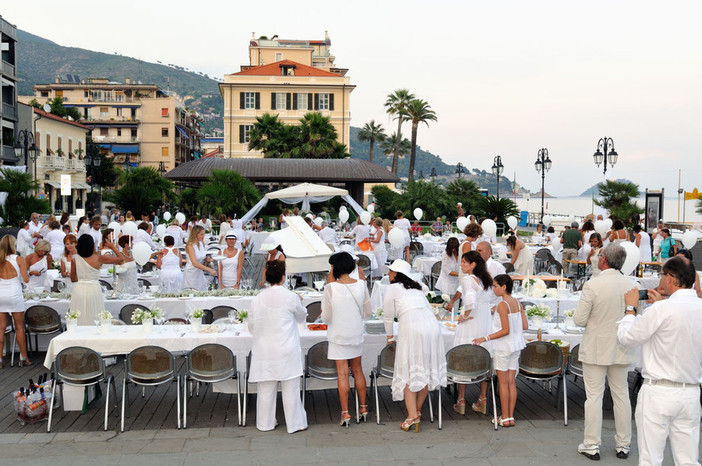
<point>408,423</point>
<point>460,407</point>
<point>363,412</point>
<point>480,406</point>
<point>345,419</point>
<point>24,362</point>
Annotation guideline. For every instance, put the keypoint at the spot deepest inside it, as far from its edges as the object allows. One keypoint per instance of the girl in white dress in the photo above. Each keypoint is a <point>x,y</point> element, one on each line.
<point>176,232</point>
<point>522,259</point>
<point>13,271</point>
<point>507,341</point>
<point>232,265</point>
<point>24,240</point>
<point>169,262</point>
<point>127,282</point>
<point>476,318</point>
<point>195,253</point>
<point>379,250</point>
<point>276,354</point>
<point>38,263</point>
<point>420,360</point>
<point>69,250</point>
<point>450,266</point>
<point>345,306</point>
<point>275,254</point>
<point>403,224</point>
<point>55,238</point>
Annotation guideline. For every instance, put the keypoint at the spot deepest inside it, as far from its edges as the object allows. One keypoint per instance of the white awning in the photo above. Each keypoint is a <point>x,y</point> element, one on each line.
<point>53,184</point>
<point>80,185</point>
<point>307,189</point>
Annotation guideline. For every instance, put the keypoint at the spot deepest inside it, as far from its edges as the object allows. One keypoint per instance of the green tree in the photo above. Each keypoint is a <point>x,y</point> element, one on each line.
<point>317,138</point>
<point>616,196</point>
<point>58,109</point>
<point>142,189</point>
<point>266,135</point>
<point>388,146</point>
<point>106,174</point>
<point>423,194</point>
<point>417,111</point>
<point>371,132</point>
<point>227,192</point>
<point>188,201</point>
<point>463,191</point>
<point>20,202</point>
<point>385,200</point>
<point>491,207</point>
<point>395,105</point>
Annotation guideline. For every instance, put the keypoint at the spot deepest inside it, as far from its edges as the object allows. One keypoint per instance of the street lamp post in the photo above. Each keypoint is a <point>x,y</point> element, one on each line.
<point>460,169</point>
<point>26,147</point>
<point>542,165</point>
<point>497,169</point>
<point>92,162</point>
<point>605,153</point>
<point>433,175</point>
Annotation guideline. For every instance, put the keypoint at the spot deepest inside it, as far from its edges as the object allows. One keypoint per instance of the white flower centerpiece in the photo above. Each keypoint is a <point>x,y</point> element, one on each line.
<point>196,319</point>
<point>72,319</point>
<point>536,288</point>
<point>146,317</point>
<point>105,321</point>
<point>537,313</point>
<point>244,318</point>
<point>569,321</point>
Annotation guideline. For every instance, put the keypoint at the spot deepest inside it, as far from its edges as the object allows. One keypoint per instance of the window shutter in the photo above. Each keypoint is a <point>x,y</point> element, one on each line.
<point>241,100</point>
<point>316,101</point>
<point>294,101</point>
<point>272,100</point>
<point>331,101</point>
<point>241,134</point>
<point>258,101</point>
<point>288,103</point>
<point>309,101</point>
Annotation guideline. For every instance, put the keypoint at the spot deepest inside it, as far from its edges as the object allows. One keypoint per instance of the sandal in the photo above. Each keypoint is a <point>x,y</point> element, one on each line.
<point>506,422</point>
<point>460,407</point>
<point>363,412</point>
<point>345,419</point>
<point>480,406</point>
<point>408,423</point>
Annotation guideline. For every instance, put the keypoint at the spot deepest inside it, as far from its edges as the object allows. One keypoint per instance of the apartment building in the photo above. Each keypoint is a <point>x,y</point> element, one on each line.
<point>136,124</point>
<point>8,96</point>
<point>289,78</point>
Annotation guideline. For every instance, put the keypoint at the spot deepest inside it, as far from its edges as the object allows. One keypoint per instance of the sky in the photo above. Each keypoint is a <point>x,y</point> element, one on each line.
<point>504,78</point>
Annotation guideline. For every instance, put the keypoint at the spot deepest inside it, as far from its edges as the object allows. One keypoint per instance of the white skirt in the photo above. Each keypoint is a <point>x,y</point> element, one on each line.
<point>344,352</point>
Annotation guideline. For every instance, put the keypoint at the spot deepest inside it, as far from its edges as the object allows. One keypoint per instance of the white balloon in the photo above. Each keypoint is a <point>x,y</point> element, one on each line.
<point>462,223</point>
<point>489,227</point>
<point>116,228</point>
<point>633,256</point>
<point>141,252</point>
<point>343,207</point>
<point>547,220</point>
<point>129,228</point>
<point>689,239</point>
<point>161,230</point>
<point>180,216</point>
<point>318,221</point>
<point>343,216</point>
<point>512,221</point>
<point>418,213</point>
<point>166,216</point>
<point>396,238</point>
<point>371,208</point>
<point>608,223</point>
<point>365,217</point>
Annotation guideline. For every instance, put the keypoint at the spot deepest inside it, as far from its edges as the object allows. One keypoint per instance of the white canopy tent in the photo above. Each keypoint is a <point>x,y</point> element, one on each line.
<point>306,193</point>
<point>304,249</point>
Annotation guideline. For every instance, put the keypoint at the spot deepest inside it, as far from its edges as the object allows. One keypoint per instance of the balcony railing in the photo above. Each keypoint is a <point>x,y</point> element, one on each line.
<point>109,119</point>
<point>8,69</point>
<point>9,112</point>
<point>112,100</point>
<point>116,139</point>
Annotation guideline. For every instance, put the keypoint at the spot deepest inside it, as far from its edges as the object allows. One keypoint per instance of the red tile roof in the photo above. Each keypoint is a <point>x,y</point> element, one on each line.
<point>211,154</point>
<point>51,116</point>
<point>273,69</point>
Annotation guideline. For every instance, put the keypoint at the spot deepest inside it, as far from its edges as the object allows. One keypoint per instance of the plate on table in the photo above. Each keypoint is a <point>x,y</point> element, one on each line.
<point>185,298</point>
<point>535,330</point>
<point>576,330</point>
<point>450,325</point>
<point>146,298</point>
<point>317,327</point>
<point>48,300</point>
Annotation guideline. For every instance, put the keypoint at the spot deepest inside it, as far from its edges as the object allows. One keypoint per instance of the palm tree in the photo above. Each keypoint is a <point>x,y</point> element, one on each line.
<point>227,192</point>
<point>317,137</point>
<point>265,130</point>
<point>20,202</point>
<point>142,189</point>
<point>389,144</point>
<point>418,111</point>
<point>371,132</point>
<point>396,105</point>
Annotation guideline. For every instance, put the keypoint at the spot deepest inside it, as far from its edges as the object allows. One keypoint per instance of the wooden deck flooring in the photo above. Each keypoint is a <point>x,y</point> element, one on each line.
<point>157,410</point>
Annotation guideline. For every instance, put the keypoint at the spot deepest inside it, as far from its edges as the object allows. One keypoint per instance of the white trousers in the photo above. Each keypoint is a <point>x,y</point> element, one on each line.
<point>668,411</point>
<point>594,378</point>
<point>295,415</point>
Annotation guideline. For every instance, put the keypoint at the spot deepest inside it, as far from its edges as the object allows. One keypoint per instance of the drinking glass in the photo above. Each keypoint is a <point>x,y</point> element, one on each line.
<point>293,282</point>
<point>232,315</point>
<point>319,284</point>
<point>60,285</point>
<point>97,322</point>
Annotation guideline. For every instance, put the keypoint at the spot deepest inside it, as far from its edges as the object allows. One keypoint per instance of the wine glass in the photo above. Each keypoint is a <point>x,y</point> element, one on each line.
<point>293,282</point>
<point>232,315</point>
<point>60,286</point>
<point>319,284</point>
<point>97,322</point>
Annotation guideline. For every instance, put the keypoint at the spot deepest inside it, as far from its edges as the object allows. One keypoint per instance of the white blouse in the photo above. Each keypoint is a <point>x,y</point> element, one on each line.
<point>344,308</point>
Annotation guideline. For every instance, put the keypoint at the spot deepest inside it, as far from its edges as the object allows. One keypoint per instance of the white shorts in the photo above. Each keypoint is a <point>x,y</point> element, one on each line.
<point>506,361</point>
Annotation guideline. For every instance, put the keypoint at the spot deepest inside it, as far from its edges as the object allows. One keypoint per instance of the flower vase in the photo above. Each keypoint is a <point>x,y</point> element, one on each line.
<point>71,325</point>
<point>246,325</point>
<point>105,326</point>
<point>147,325</point>
<point>537,321</point>
<point>570,322</point>
<point>195,324</point>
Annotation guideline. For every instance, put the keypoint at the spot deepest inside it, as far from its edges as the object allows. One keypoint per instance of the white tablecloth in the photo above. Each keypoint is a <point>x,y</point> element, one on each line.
<point>434,245</point>
<point>424,264</point>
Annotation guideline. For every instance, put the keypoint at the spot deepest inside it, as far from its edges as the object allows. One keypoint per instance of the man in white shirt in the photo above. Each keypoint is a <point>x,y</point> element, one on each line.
<point>142,236</point>
<point>670,335</point>
<point>494,268</point>
<point>327,234</point>
<point>205,223</point>
<point>34,226</point>
<point>94,231</point>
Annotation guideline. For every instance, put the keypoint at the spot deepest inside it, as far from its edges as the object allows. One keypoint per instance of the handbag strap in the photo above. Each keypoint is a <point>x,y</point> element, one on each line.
<point>360,310</point>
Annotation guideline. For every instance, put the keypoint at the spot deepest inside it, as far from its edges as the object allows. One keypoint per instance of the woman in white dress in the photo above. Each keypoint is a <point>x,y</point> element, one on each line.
<point>361,234</point>
<point>176,232</point>
<point>476,318</point>
<point>69,250</point>
<point>618,234</point>
<point>450,266</point>
<point>169,262</point>
<point>275,254</point>
<point>276,355</point>
<point>195,253</point>
<point>13,271</point>
<point>38,263</point>
<point>86,296</point>
<point>232,264</point>
<point>593,256</point>
<point>507,341</point>
<point>522,259</point>
<point>127,282</point>
<point>420,360</point>
<point>24,240</point>
<point>345,306</point>
<point>403,224</point>
<point>55,238</point>
<point>379,250</point>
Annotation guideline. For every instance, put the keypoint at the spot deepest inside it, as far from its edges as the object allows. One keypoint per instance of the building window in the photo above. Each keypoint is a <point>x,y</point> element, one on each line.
<point>301,101</point>
<point>60,143</point>
<point>278,56</point>
<point>164,132</point>
<point>164,112</point>
<point>245,133</point>
<point>48,142</point>
<point>45,93</point>
<point>70,146</point>
<point>104,112</point>
<point>85,112</point>
<point>164,151</point>
<point>104,131</point>
<point>119,131</point>
<point>119,111</point>
<point>134,132</point>
<point>249,100</point>
<point>280,100</point>
<point>323,101</point>
<point>85,94</point>
<point>134,114</point>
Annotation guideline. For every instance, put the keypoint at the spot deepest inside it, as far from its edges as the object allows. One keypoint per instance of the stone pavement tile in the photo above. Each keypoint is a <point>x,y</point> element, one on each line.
<point>564,435</point>
<point>37,438</point>
<point>182,433</point>
<point>220,457</point>
<point>28,450</point>
<point>511,449</point>
<point>216,444</point>
<point>168,445</point>
<point>557,424</point>
<point>165,459</point>
<point>298,456</point>
<point>230,432</point>
<point>11,438</point>
<point>494,461</point>
<point>135,435</point>
<point>92,460</point>
<point>93,436</point>
<point>277,440</point>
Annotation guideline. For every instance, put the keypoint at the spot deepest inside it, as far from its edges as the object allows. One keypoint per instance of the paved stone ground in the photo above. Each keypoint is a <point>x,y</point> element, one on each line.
<point>539,442</point>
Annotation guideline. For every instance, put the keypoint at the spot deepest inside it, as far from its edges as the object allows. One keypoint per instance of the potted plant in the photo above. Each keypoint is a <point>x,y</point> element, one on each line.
<point>72,319</point>
<point>105,321</point>
<point>569,321</point>
<point>196,320</point>
<point>538,313</point>
<point>244,318</point>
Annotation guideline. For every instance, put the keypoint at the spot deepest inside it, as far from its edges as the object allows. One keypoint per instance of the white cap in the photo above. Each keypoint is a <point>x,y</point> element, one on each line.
<point>402,267</point>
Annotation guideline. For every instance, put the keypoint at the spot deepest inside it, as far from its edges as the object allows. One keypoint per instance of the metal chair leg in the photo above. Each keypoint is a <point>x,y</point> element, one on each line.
<point>374,384</point>
<point>565,400</point>
<point>178,398</point>
<point>438,408</point>
<point>124,397</point>
<point>246,397</point>
<point>238,399</point>
<point>494,403</point>
<point>185,402</point>
<point>51,408</point>
<point>431,406</point>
